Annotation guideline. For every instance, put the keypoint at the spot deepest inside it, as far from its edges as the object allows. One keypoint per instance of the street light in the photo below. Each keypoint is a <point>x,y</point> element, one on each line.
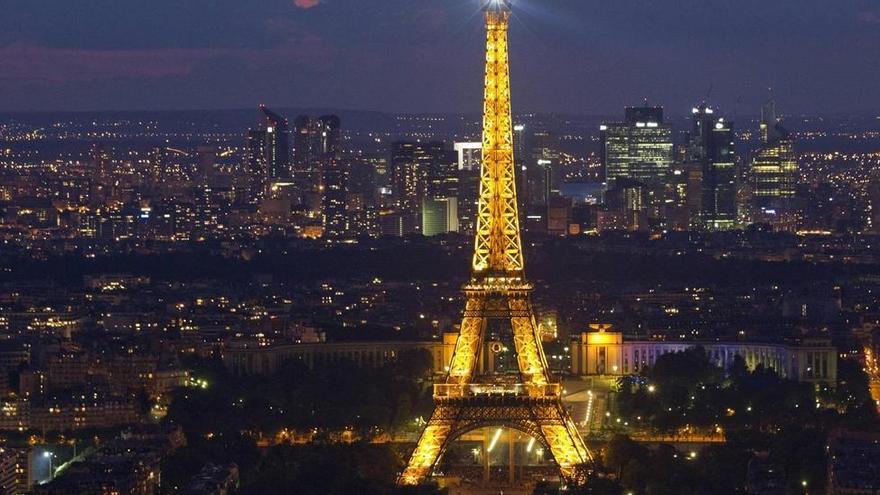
<point>50,456</point>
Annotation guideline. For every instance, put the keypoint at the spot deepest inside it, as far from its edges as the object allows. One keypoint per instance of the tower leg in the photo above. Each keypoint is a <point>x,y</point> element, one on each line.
<point>565,442</point>
<point>428,450</point>
<point>530,356</point>
<point>470,341</point>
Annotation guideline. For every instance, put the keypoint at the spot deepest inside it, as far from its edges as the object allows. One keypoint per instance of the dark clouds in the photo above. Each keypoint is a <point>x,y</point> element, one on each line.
<point>589,56</point>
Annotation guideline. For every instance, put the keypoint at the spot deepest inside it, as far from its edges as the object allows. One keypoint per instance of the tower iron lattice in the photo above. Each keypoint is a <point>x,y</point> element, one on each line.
<point>497,290</point>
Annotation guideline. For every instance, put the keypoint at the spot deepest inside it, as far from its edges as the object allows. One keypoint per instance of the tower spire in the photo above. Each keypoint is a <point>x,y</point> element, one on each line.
<point>498,248</point>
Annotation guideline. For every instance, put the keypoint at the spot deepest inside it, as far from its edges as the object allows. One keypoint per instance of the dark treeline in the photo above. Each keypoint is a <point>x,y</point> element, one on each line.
<point>552,262</point>
<point>223,421</point>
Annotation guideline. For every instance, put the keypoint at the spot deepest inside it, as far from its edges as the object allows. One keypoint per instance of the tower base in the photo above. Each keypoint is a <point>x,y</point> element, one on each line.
<point>543,418</point>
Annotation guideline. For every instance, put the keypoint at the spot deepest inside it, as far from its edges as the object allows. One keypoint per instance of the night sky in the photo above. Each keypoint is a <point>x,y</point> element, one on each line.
<point>578,56</point>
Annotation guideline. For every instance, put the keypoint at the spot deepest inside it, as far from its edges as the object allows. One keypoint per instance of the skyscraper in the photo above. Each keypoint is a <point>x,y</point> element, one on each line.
<point>334,179</point>
<point>625,207</point>
<point>469,155</point>
<point>773,174</point>
<point>276,144</point>
<point>683,200</point>
<point>639,148</point>
<point>409,174</point>
<point>443,176</point>
<point>712,147</point>
<point>254,151</point>
<point>101,165</point>
<point>319,168</point>
<point>305,142</point>
<point>315,140</point>
<point>439,216</point>
<point>468,192</point>
<point>546,155</point>
<point>422,170</point>
<point>331,128</point>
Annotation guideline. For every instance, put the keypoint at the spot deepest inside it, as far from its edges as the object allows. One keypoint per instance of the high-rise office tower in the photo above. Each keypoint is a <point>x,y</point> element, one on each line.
<point>306,142</point>
<point>276,144</point>
<point>469,155</point>
<point>315,140</point>
<point>770,127</point>
<point>334,179</point>
<point>439,216</point>
<point>363,179</point>
<point>422,170</point>
<point>683,196</point>
<point>539,176</point>
<point>625,206</point>
<point>773,174</point>
<point>102,173</point>
<point>468,194</point>
<point>639,148</point>
<point>254,151</point>
<point>520,145</point>
<point>443,176</point>
<point>712,146</point>
<point>409,174</point>
<point>546,155</point>
<point>330,127</point>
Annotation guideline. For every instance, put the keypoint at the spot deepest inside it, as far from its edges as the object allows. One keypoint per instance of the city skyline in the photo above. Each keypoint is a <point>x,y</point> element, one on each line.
<point>339,54</point>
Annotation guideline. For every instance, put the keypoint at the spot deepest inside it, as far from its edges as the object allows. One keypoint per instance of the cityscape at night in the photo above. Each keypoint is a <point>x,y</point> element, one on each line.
<point>457,247</point>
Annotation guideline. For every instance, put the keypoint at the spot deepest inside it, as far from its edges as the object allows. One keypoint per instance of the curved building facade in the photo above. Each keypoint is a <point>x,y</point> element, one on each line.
<point>603,352</point>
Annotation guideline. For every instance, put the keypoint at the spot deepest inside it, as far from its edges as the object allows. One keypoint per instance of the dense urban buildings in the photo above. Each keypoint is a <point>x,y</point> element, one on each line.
<point>189,274</point>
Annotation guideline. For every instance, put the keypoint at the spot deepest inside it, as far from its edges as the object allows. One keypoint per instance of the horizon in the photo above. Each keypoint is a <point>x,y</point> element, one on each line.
<point>314,110</point>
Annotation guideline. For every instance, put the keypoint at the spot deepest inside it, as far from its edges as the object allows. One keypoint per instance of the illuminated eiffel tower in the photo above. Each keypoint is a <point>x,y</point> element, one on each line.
<point>530,401</point>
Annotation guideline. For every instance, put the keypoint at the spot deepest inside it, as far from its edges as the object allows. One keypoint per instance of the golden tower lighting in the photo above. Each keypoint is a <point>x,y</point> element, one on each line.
<point>497,290</point>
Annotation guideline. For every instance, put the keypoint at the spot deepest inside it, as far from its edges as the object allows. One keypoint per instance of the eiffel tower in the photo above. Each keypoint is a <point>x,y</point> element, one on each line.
<point>530,401</point>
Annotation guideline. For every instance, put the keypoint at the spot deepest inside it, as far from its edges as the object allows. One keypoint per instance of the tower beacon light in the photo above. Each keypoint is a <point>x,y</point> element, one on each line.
<point>498,5</point>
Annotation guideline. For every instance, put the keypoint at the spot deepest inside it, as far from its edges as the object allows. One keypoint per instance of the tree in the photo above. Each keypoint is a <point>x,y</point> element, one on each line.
<point>621,450</point>
<point>686,368</point>
<point>635,476</point>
